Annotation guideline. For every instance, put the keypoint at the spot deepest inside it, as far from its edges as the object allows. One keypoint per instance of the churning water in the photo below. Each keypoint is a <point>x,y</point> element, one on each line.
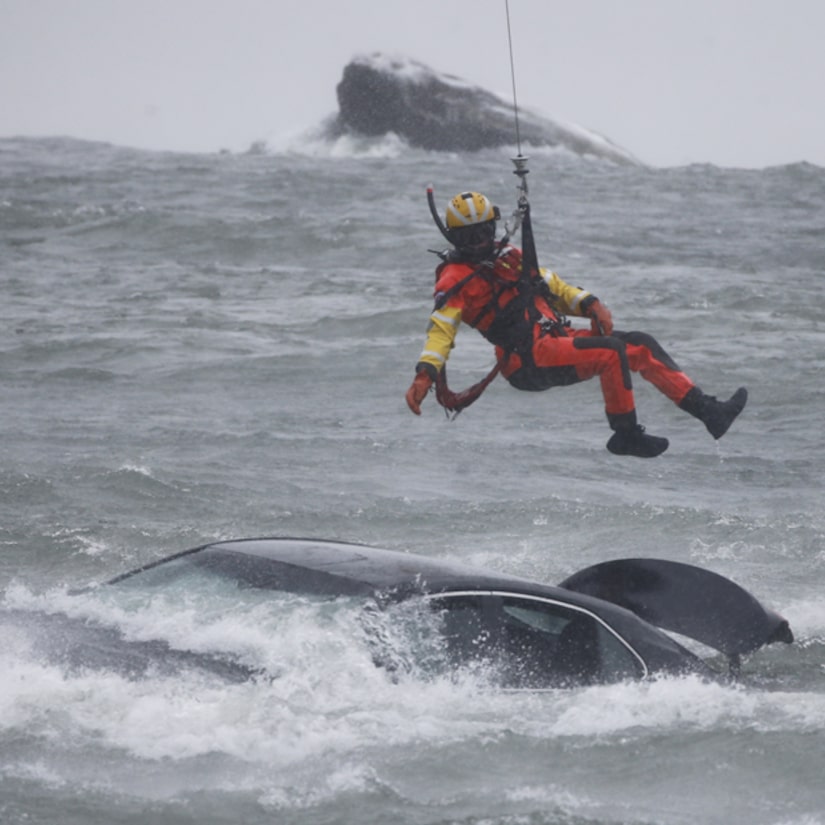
<point>197,347</point>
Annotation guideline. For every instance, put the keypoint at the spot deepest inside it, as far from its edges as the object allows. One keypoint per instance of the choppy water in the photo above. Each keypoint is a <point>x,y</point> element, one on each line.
<point>197,347</point>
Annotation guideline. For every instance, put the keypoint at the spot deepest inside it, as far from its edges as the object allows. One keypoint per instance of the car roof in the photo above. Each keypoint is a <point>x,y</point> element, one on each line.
<point>328,566</point>
<point>375,567</point>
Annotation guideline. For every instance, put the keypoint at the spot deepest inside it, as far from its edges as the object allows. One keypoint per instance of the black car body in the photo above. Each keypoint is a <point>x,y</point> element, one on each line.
<point>603,624</point>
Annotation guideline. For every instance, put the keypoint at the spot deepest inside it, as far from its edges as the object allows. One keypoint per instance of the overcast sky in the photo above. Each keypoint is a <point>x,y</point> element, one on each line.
<point>730,82</point>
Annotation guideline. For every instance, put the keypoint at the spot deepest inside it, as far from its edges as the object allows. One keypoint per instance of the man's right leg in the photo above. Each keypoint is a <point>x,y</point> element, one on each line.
<point>562,361</point>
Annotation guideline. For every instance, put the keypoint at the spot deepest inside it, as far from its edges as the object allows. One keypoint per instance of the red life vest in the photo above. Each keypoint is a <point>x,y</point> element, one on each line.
<point>508,308</point>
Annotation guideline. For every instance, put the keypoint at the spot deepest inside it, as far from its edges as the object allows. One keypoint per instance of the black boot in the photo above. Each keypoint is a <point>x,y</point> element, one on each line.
<point>630,438</point>
<point>717,416</point>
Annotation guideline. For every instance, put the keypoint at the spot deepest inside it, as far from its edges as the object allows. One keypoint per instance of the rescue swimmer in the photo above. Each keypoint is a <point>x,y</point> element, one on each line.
<point>481,282</point>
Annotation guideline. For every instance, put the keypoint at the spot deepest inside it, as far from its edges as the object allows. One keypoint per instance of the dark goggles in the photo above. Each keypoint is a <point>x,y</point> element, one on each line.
<point>476,238</point>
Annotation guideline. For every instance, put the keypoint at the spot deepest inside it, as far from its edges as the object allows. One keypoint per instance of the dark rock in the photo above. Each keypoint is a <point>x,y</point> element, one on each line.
<point>378,95</point>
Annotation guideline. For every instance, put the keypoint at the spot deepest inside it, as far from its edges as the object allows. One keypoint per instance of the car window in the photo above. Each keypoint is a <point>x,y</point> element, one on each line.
<point>581,648</point>
<point>469,626</point>
<point>533,643</point>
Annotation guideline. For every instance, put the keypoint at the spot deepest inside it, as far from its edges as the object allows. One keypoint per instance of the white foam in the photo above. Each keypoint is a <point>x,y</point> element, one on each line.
<point>327,698</point>
<point>683,704</point>
<point>343,779</point>
<point>806,617</point>
<point>311,144</point>
<point>339,703</point>
<point>36,771</point>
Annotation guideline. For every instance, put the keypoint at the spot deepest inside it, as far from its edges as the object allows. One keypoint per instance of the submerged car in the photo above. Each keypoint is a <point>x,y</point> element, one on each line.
<point>604,624</point>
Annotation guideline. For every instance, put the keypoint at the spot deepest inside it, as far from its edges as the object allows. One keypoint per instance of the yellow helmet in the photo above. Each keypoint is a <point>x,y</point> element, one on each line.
<point>471,226</point>
<point>470,208</point>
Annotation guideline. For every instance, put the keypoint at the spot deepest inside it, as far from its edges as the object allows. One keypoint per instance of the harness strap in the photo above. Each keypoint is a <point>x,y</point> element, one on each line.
<point>612,343</point>
<point>455,402</point>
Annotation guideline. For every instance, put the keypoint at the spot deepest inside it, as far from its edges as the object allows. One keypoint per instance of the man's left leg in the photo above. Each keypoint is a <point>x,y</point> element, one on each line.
<point>647,357</point>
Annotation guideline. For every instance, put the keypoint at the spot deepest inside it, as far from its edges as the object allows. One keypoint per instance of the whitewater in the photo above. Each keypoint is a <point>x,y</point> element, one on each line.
<point>205,346</point>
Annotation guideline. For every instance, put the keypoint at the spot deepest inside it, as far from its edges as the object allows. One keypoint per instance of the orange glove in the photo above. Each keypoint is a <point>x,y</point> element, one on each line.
<point>418,389</point>
<point>601,321</point>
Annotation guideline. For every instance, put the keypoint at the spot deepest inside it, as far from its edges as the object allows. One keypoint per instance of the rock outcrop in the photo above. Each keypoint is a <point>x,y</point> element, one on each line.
<point>379,94</point>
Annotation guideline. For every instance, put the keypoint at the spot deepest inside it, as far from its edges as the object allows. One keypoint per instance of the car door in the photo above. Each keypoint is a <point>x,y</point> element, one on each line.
<point>532,642</point>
